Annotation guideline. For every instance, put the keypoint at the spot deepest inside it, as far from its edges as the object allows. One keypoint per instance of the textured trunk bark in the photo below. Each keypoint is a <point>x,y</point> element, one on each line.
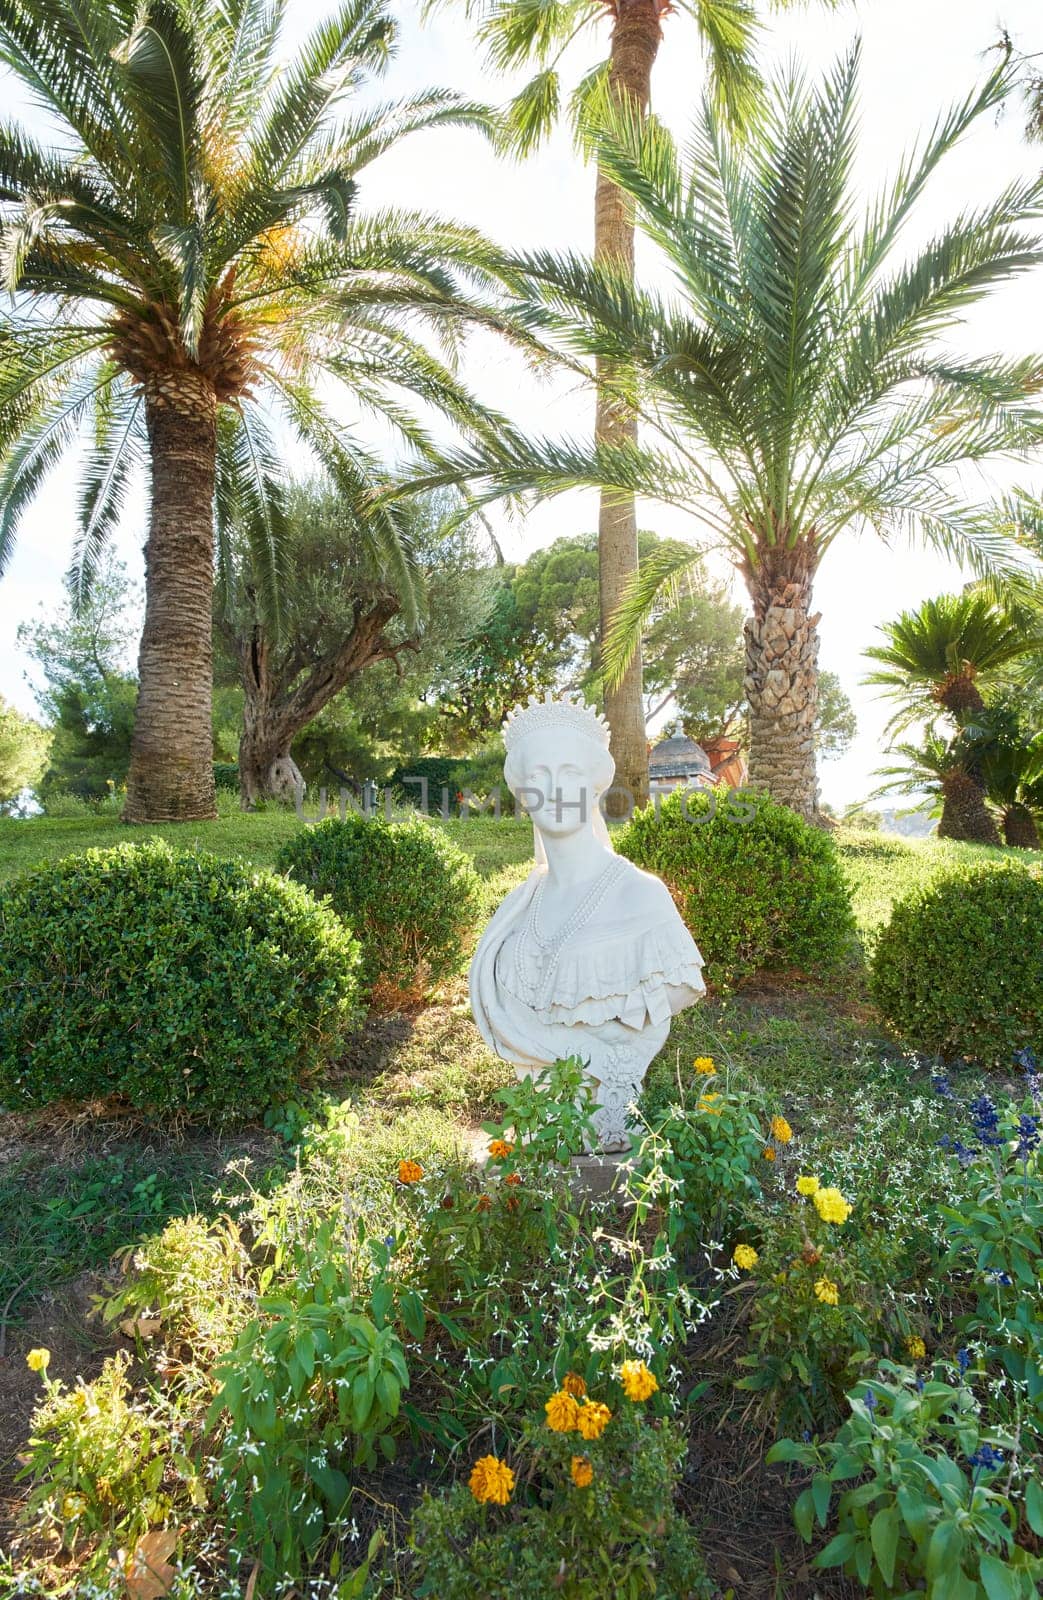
<point>274,712</point>
<point>1019,828</point>
<point>171,776</point>
<point>635,45</point>
<point>964,812</point>
<point>782,678</point>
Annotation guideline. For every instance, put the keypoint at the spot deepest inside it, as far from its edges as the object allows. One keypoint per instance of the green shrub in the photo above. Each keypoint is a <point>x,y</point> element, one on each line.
<point>173,979</point>
<point>226,775</point>
<point>958,971</point>
<point>408,893</point>
<point>760,889</point>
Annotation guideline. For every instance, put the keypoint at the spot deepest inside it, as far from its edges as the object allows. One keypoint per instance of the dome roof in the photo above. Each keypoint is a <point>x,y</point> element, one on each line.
<point>677,756</point>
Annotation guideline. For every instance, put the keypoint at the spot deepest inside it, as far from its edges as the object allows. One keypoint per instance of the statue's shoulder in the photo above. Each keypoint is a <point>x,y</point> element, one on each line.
<point>640,889</point>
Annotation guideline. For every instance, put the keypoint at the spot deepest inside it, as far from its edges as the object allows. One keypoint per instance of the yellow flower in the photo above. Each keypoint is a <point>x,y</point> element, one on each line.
<point>574,1385</point>
<point>37,1359</point>
<point>500,1149</point>
<point>704,1065</point>
<point>781,1131</point>
<point>827,1291</point>
<point>745,1257</point>
<point>807,1186</point>
<point>831,1205</point>
<point>638,1383</point>
<point>915,1347</point>
<point>410,1172</point>
<point>491,1480</point>
<point>710,1103</point>
<point>769,1153</point>
<point>74,1505</point>
<point>582,1472</point>
<point>562,1413</point>
<point>593,1419</point>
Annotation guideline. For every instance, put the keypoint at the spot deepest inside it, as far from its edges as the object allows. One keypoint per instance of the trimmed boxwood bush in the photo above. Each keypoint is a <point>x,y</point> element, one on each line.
<point>408,893</point>
<point>170,978</point>
<point>760,889</point>
<point>958,970</point>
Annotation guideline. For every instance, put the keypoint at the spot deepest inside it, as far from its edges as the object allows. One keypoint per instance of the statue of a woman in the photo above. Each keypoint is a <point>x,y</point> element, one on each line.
<point>588,957</point>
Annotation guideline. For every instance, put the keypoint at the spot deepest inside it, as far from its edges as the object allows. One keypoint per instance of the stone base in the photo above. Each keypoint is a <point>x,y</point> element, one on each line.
<point>593,1177</point>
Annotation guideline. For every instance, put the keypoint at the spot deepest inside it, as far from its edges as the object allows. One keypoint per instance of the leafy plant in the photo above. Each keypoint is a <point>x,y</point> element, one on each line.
<point>104,1461</point>
<point>548,1114</point>
<point>995,1244</point>
<point>760,889</point>
<point>562,1532</point>
<point>311,1388</point>
<point>956,970</point>
<point>825,1305</point>
<point>405,890</point>
<point>915,1518</point>
<point>173,979</point>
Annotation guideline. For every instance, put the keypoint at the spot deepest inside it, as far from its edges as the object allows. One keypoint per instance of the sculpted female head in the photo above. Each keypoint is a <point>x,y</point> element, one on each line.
<point>558,764</point>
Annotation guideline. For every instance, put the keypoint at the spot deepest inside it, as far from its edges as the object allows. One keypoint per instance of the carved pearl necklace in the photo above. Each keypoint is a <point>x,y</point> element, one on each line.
<point>548,950</point>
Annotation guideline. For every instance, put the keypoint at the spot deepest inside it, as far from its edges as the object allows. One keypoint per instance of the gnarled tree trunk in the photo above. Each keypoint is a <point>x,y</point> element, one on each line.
<point>279,702</point>
<point>635,45</point>
<point>171,776</point>
<point>781,680</point>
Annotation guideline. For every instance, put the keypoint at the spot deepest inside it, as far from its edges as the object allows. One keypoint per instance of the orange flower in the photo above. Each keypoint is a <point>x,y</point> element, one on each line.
<point>592,1419</point>
<point>769,1153</point>
<point>410,1172</point>
<point>511,1202</point>
<point>638,1383</point>
<point>562,1413</point>
<point>499,1149</point>
<point>491,1480</point>
<point>512,1178</point>
<point>483,1203</point>
<point>582,1472</point>
<point>574,1385</point>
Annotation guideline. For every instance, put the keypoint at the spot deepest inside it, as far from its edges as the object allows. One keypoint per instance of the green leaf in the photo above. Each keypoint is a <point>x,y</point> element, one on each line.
<point>1034,1506</point>
<point>839,1550</point>
<point>804,1515</point>
<point>999,1582</point>
<point>883,1534</point>
<point>821,1491</point>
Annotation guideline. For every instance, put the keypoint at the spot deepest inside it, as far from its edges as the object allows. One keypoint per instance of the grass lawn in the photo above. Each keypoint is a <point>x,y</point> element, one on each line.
<point>76,1189</point>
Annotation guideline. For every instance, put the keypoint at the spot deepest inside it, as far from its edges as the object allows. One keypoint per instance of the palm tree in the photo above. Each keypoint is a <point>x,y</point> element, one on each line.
<point>794,379</point>
<point>935,655</point>
<point>940,767</point>
<point>516,32</point>
<point>189,273</point>
<point>933,659</point>
<point>1011,765</point>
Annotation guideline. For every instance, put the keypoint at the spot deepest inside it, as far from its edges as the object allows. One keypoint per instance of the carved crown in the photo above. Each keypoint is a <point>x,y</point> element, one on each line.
<point>571,712</point>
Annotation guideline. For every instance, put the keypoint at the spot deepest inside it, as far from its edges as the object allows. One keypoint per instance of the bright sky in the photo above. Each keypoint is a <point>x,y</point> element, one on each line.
<point>918,56</point>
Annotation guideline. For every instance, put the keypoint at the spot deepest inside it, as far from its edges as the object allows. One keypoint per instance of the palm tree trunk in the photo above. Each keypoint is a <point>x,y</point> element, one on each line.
<point>635,45</point>
<point>1019,828</point>
<point>171,776</point>
<point>782,677</point>
<point>965,815</point>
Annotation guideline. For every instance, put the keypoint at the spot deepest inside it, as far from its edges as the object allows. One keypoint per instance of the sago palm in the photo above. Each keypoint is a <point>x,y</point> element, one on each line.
<point>519,33</point>
<point>794,377</point>
<point>190,276</point>
<point>935,655</point>
<point>939,767</point>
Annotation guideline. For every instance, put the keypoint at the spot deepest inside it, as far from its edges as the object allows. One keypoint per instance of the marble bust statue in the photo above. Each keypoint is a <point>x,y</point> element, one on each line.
<point>588,957</point>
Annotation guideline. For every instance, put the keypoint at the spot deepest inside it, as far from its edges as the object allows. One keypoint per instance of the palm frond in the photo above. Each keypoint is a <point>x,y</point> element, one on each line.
<point>659,577</point>
<point>118,450</point>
